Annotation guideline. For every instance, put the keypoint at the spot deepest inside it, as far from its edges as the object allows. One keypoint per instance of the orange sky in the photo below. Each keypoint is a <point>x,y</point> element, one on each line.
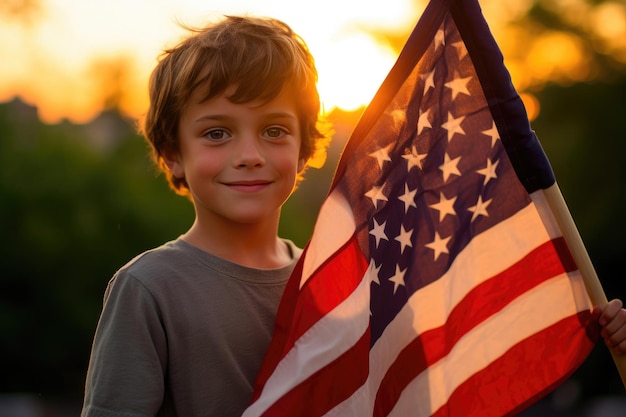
<point>65,58</point>
<point>57,61</point>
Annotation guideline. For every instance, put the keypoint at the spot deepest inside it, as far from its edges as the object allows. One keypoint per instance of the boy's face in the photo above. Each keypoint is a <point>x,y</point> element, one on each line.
<point>240,160</point>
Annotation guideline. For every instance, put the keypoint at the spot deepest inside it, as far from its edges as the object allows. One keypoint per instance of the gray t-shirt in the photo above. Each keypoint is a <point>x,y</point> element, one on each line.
<point>182,333</point>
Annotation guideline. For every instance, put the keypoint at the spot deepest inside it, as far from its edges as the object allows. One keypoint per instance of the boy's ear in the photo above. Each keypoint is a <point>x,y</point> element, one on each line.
<point>173,162</point>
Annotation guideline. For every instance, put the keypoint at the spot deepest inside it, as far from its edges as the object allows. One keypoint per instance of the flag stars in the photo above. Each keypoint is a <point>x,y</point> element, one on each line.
<point>423,122</point>
<point>405,239</point>
<point>408,198</point>
<point>378,231</point>
<point>413,159</point>
<point>461,50</point>
<point>373,271</point>
<point>399,118</point>
<point>376,195</point>
<point>449,167</point>
<point>480,209</point>
<point>439,245</point>
<point>382,155</point>
<point>453,125</point>
<point>489,172</point>
<point>445,206</point>
<point>429,80</point>
<point>440,38</point>
<point>398,278</point>
<point>493,133</point>
<point>458,85</point>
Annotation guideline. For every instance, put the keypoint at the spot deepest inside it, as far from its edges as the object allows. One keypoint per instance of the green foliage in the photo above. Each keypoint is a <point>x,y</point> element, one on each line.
<point>77,203</point>
<point>74,207</point>
<point>581,130</point>
<point>71,215</point>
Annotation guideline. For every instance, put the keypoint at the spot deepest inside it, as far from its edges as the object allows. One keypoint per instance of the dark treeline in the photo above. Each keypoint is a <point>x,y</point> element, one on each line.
<point>79,201</point>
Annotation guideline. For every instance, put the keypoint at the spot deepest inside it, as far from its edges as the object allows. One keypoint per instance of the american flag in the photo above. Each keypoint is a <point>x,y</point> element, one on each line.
<point>436,282</point>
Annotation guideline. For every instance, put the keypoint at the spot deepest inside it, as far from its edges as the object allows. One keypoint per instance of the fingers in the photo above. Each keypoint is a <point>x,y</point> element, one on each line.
<point>613,322</point>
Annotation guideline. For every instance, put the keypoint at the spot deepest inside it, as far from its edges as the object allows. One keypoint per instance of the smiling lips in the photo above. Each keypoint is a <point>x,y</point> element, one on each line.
<point>248,186</point>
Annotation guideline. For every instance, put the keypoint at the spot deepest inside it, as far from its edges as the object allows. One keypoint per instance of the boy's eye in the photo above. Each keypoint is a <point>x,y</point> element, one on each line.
<point>216,134</point>
<point>275,132</point>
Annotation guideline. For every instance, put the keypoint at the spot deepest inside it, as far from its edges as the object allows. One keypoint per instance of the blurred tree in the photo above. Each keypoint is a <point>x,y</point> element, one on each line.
<point>71,215</point>
<point>565,42</point>
<point>113,81</point>
<point>77,202</point>
<point>581,129</point>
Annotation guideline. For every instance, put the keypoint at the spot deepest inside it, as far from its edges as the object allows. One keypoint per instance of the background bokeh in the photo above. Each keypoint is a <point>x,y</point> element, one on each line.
<point>79,197</point>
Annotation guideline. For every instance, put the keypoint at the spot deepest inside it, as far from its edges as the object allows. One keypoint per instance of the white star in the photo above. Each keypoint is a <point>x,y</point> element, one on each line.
<point>458,85</point>
<point>376,194</point>
<point>460,49</point>
<point>429,80</point>
<point>398,278</point>
<point>372,272</point>
<point>493,132</point>
<point>382,155</point>
<point>423,122</point>
<point>439,245</point>
<point>449,167</point>
<point>480,209</point>
<point>414,159</point>
<point>445,206</point>
<point>489,172</point>
<point>408,198</point>
<point>453,126</point>
<point>379,232</point>
<point>440,38</point>
<point>404,238</point>
<point>399,117</point>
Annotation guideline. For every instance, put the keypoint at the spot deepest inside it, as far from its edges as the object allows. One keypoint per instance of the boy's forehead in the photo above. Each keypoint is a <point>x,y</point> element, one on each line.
<point>287,94</point>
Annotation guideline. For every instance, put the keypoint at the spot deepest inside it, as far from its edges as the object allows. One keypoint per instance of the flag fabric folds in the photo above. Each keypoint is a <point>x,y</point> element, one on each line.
<point>436,282</point>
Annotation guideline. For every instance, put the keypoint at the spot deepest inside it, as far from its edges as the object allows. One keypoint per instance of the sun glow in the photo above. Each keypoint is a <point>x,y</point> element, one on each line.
<point>352,86</point>
<point>72,59</point>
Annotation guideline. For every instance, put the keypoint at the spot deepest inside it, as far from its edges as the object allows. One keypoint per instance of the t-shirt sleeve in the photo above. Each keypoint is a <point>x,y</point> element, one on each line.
<point>128,360</point>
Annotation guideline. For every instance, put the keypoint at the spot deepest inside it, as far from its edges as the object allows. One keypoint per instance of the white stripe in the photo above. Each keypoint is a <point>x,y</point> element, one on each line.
<point>324,342</point>
<point>334,227</point>
<point>485,256</point>
<point>536,309</point>
<point>494,251</point>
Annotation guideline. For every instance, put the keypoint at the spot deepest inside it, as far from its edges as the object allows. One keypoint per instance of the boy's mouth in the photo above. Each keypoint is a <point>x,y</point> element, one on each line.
<point>248,185</point>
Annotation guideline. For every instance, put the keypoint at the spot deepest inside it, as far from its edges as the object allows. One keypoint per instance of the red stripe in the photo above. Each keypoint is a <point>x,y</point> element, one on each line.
<point>328,387</point>
<point>327,288</point>
<point>300,309</point>
<point>281,328</point>
<point>527,372</point>
<point>482,302</point>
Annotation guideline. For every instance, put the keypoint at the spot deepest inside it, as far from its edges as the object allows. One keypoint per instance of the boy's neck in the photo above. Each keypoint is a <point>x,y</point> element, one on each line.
<point>255,246</point>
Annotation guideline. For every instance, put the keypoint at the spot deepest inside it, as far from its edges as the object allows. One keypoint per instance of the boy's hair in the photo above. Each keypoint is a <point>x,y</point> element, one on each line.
<point>257,56</point>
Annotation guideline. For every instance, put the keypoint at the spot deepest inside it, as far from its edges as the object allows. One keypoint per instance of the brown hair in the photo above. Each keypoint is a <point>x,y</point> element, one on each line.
<point>257,56</point>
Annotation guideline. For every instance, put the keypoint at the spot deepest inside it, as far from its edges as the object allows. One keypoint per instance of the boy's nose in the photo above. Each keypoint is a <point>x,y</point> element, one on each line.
<point>249,152</point>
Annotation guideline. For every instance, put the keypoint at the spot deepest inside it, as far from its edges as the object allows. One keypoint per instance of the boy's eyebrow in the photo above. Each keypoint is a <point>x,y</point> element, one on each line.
<point>272,115</point>
<point>218,117</point>
<point>278,115</point>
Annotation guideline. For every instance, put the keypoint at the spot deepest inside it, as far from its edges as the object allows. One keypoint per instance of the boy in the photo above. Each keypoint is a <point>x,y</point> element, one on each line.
<point>233,122</point>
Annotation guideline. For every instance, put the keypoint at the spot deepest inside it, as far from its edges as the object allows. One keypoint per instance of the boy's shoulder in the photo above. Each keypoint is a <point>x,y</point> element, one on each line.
<point>178,261</point>
<point>157,261</point>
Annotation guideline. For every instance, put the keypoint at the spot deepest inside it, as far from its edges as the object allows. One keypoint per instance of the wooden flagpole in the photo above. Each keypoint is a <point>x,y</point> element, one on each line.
<point>572,237</point>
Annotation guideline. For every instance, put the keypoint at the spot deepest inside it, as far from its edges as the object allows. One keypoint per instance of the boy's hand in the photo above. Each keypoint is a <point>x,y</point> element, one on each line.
<point>612,320</point>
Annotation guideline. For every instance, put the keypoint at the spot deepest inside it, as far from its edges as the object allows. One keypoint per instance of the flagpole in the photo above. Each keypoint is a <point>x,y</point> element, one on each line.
<point>557,204</point>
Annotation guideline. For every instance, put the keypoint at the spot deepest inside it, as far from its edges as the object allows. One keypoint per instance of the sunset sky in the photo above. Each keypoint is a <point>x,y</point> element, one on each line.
<point>64,56</point>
